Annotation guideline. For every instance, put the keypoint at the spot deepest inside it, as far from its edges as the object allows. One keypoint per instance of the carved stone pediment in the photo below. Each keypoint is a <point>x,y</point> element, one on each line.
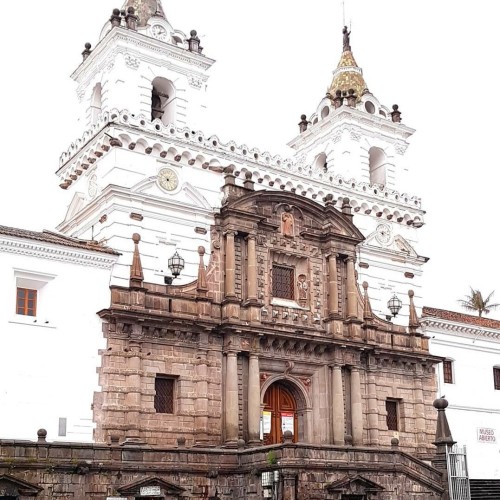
<point>357,485</point>
<point>13,487</point>
<point>166,489</point>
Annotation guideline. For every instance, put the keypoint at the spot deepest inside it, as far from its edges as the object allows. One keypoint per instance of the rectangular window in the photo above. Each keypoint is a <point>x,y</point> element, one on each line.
<point>496,378</point>
<point>26,301</point>
<point>448,371</point>
<point>391,406</point>
<point>283,282</point>
<point>164,397</point>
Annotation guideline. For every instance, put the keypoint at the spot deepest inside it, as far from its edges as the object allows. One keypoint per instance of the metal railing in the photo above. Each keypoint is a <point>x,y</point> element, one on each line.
<point>458,474</point>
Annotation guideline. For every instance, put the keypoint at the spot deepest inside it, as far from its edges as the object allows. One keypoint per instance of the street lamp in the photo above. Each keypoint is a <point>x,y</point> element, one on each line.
<point>394,305</point>
<point>176,265</point>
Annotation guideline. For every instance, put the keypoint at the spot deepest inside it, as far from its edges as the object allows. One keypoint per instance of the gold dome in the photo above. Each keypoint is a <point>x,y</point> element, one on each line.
<point>145,10</point>
<point>348,75</point>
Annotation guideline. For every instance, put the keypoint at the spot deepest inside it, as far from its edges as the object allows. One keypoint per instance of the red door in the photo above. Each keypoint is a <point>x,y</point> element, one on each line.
<point>280,402</point>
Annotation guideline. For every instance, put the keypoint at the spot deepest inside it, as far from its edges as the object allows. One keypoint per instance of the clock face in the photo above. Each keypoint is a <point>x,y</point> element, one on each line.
<point>383,234</point>
<point>168,179</point>
<point>159,32</point>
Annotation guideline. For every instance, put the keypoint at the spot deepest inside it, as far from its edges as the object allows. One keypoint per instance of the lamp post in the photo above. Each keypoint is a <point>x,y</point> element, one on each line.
<point>394,305</point>
<point>176,265</point>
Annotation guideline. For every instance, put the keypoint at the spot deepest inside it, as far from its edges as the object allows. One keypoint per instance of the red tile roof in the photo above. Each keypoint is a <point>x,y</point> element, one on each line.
<point>56,239</point>
<point>460,317</point>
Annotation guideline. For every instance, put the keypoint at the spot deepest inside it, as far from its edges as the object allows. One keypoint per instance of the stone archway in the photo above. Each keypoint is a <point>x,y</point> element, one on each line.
<point>285,406</point>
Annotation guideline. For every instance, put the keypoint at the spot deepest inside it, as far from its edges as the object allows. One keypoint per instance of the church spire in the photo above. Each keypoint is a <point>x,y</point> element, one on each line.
<point>145,10</point>
<point>348,75</point>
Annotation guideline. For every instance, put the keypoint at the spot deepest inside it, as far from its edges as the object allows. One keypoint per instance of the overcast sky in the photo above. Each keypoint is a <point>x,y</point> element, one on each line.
<point>436,59</point>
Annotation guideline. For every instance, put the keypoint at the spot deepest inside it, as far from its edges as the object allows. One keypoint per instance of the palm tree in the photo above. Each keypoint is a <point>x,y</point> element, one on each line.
<point>475,302</point>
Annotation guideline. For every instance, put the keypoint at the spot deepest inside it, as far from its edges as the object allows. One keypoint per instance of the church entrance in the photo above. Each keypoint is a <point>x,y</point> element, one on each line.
<point>280,414</point>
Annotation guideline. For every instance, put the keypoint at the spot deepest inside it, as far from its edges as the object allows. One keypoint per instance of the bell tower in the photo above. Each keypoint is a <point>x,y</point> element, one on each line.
<point>356,144</point>
<point>141,89</point>
<point>143,65</point>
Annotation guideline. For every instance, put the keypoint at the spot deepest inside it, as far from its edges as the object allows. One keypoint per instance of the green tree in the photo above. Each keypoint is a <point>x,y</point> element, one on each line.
<point>475,302</point>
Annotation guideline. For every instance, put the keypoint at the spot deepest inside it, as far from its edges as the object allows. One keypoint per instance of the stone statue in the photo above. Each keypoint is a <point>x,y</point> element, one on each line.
<point>303,288</point>
<point>303,123</point>
<point>347,41</point>
<point>287,224</point>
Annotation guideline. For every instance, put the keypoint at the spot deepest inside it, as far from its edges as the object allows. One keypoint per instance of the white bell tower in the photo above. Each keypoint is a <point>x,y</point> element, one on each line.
<point>144,66</point>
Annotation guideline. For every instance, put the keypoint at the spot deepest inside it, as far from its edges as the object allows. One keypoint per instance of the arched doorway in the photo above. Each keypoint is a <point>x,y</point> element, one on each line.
<point>280,413</point>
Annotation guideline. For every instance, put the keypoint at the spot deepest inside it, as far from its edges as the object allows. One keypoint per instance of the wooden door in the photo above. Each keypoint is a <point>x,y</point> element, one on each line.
<point>280,402</point>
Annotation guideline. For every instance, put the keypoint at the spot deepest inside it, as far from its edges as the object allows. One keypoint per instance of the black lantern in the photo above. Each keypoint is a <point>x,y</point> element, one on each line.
<point>394,305</point>
<point>176,264</point>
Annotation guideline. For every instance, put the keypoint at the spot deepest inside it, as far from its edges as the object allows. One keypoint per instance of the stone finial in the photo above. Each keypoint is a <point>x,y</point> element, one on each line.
<point>443,432</point>
<point>136,273</point>
<point>287,437</point>
<point>202,287</point>
<point>413,321</point>
<point>367,308</point>
<point>303,123</point>
<point>338,99</point>
<point>42,435</point>
<point>131,19</point>
<point>346,206</point>
<point>194,42</point>
<point>86,53</point>
<point>115,18</point>
<point>248,183</point>
<point>396,114</point>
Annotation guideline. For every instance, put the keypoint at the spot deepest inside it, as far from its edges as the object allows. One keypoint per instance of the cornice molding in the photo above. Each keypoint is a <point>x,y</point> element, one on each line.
<point>460,329</point>
<point>57,253</point>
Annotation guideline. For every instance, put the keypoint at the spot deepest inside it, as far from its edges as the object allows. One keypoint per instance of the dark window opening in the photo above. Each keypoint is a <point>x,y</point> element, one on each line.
<point>391,407</point>
<point>283,282</point>
<point>448,371</point>
<point>26,302</point>
<point>164,394</point>
<point>496,378</point>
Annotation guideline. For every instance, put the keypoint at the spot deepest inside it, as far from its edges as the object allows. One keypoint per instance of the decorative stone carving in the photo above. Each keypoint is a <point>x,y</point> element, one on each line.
<point>303,289</point>
<point>132,62</point>
<point>287,224</point>
<point>195,81</point>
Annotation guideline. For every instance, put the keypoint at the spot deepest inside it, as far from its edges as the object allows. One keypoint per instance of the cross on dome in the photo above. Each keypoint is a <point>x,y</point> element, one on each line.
<point>145,10</point>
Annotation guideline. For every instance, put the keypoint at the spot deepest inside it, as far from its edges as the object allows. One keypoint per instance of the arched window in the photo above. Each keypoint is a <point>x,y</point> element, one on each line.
<point>163,101</point>
<point>96,103</point>
<point>378,161</point>
<point>320,163</point>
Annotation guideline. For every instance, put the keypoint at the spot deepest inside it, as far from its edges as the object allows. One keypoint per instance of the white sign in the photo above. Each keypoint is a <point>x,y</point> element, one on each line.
<point>114,498</point>
<point>266,422</point>
<point>150,490</point>
<point>485,435</point>
<point>287,422</point>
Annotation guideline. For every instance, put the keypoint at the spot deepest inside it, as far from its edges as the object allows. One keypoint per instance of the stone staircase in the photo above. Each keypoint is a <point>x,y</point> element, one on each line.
<point>485,489</point>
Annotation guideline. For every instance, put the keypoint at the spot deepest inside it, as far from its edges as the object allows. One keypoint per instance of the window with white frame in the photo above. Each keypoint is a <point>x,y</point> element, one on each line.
<point>30,294</point>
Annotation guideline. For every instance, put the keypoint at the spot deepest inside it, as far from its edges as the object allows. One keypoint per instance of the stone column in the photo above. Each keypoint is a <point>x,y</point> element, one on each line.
<point>133,395</point>
<point>333,293</point>
<point>356,408</point>
<point>201,401</point>
<point>372,410</point>
<point>338,411</point>
<point>419,411</point>
<point>230,265</point>
<point>289,479</point>
<point>252,268</point>
<point>253,400</point>
<point>352,309</point>
<point>231,403</point>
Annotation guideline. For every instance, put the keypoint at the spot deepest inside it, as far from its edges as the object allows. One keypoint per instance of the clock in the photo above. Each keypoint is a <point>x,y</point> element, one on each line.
<point>383,234</point>
<point>167,179</point>
<point>159,32</point>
